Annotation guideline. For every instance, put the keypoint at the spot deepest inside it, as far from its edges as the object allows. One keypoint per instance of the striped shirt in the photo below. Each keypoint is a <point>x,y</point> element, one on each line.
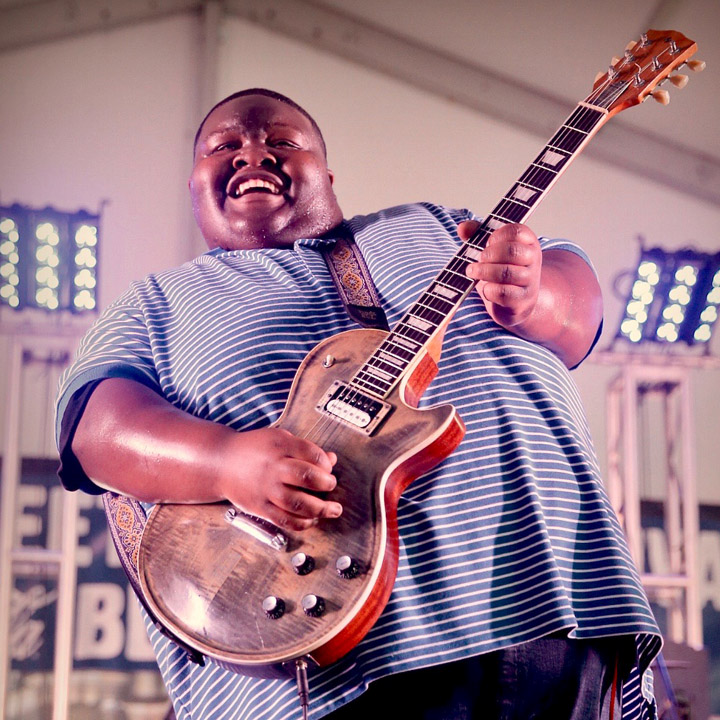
<point>509,539</point>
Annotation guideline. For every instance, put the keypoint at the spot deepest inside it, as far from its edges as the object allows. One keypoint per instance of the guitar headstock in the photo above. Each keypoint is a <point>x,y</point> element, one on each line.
<point>646,64</point>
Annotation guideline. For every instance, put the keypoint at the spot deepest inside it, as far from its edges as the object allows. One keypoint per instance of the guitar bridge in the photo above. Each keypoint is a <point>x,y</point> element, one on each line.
<point>353,407</point>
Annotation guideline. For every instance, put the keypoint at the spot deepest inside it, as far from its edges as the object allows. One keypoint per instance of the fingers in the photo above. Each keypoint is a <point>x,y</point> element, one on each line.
<point>508,271</point>
<point>306,451</point>
<point>285,479</point>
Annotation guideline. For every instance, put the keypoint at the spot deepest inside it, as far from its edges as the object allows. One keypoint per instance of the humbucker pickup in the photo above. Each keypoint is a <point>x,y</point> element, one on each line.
<point>353,407</point>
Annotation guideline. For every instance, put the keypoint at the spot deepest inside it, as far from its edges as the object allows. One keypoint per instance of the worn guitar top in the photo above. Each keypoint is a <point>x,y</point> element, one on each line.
<point>511,538</point>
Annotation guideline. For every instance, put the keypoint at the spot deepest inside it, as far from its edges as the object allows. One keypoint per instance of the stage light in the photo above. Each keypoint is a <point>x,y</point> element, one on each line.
<point>48,259</point>
<point>9,260</point>
<point>673,298</point>
<point>85,238</point>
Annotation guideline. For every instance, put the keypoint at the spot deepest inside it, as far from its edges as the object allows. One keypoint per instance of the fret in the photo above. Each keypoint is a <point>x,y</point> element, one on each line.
<point>557,149</point>
<point>538,177</point>
<point>493,223</point>
<point>585,118</point>
<point>509,214</point>
<point>551,159</point>
<point>372,384</point>
<point>569,139</point>
<point>419,324</point>
<point>443,290</point>
<point>375,371</point>
<point>428,314</point>
<point>528,186</point>
<point>403,357</point>
<point>512,211</point>
<point>524,193</point>
<point>436,304</point>
<point>385,367</point>
<point>472,253</point>
<point>459,276</point>
<point>412,333</point>
<point>374,381</point>
<point>391,359</point>
<point>409,343</point>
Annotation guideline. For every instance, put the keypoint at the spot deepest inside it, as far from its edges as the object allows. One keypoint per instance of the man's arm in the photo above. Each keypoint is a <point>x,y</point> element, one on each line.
<point>551,298</point>
<point>131,440</point>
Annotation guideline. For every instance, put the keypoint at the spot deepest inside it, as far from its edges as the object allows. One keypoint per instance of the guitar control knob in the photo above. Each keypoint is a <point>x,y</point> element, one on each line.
<point>313,605</point>
<point>302,563</point>
<point>347,567</point>
<point>274,607</point>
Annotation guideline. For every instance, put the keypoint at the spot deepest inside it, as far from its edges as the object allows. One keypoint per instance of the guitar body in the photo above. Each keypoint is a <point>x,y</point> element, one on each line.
<point>206,579</point>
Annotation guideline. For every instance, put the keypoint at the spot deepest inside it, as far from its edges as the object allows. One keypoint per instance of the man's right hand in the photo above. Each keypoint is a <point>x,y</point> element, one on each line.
<point>280,477</point>
<point>131,440</point>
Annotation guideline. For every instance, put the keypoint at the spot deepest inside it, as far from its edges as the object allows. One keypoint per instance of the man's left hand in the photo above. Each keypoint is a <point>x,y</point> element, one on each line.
<point>508,272</point>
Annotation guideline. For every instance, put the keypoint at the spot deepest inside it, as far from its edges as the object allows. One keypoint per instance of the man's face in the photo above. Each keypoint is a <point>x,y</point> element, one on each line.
<point>260,178</point>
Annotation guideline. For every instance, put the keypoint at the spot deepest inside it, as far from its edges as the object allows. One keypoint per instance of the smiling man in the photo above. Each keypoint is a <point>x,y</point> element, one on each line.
<point>515,595</point>
<point>260,177</point>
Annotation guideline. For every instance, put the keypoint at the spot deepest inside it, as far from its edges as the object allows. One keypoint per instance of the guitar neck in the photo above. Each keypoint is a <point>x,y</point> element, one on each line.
<point>436,306</point>
<point>629,81</point>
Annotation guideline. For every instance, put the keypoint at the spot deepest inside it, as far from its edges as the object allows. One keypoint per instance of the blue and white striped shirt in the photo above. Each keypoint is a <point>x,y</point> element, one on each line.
<point>511,538</point>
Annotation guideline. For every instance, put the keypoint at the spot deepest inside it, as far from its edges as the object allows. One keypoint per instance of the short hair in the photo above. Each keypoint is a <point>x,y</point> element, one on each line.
<point>267,93</point>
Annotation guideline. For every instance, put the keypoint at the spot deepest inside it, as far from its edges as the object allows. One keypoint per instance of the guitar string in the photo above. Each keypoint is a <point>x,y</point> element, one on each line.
<point>534,177</point>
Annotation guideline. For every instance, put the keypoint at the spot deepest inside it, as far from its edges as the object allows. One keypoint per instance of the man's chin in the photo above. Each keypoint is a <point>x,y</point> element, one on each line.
<point>256,232</point>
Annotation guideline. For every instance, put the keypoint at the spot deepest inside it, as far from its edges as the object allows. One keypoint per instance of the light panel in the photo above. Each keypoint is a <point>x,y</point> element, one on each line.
<point>48,259</point>
<point>674,298</point>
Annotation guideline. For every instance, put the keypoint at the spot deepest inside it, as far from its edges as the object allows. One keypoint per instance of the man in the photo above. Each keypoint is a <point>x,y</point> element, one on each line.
<point>515,595</point>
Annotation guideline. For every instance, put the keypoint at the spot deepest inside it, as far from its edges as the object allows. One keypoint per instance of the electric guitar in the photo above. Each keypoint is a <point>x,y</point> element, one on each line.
<point>254,597</point>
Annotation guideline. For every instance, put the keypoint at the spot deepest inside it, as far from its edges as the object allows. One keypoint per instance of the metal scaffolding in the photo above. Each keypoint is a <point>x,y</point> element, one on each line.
<point>58,562</point>
<point>663,382</point>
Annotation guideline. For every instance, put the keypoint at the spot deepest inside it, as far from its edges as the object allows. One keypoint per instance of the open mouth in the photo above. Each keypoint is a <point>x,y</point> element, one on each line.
<point>253,185</point>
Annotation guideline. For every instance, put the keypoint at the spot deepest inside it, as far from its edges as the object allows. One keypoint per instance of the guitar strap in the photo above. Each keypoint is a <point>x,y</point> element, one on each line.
<point>126,516</point>
<point>353,281</point>
<point>126,520</point>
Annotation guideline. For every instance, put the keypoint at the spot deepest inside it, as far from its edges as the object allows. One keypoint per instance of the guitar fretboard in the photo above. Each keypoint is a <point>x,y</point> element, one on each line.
<point>451,286</point>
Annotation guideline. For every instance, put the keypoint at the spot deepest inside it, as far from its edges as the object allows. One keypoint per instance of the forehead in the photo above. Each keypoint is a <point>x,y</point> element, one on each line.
<point>255,113</point>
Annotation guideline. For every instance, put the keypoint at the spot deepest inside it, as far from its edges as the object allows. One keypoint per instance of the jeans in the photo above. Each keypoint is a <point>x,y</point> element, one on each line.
<point>552,678</point>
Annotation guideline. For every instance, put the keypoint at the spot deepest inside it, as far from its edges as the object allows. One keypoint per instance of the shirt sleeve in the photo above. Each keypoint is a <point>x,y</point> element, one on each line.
<point>117,345</point>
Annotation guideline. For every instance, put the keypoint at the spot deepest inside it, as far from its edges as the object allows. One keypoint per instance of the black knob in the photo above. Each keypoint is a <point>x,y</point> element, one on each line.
<point>274,607</point>
<point>347,567</point>
<point>302,563</point>
<point>313,605</point>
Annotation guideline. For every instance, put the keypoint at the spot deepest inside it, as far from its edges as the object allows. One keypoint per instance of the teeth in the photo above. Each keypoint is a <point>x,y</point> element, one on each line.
<point>256,183</point>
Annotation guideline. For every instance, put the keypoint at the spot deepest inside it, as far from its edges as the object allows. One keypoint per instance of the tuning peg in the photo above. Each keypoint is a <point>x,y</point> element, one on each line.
<point>696,65</point>
<point>631,45</point>
<point>661,96</point>
<point>679,81</point>
<point>598,76</point>
<point>615,60</point>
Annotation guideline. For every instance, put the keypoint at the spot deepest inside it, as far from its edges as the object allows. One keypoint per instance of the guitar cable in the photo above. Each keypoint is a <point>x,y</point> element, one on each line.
<point>302,685</point>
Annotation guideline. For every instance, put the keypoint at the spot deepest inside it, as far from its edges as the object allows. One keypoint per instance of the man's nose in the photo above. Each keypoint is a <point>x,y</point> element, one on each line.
<point>253,154</point>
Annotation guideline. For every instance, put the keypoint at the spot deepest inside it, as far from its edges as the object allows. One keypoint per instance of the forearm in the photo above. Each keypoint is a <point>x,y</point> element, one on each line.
<point>568,310</point>
<point>133,441</point>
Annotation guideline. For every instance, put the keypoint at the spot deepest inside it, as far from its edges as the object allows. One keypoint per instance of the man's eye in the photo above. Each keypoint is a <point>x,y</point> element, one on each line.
<point>283,143</point>
<point>224,146</point>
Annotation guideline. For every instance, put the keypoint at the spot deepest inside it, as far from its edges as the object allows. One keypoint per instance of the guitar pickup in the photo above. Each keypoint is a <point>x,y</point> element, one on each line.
<point>353,407</point>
